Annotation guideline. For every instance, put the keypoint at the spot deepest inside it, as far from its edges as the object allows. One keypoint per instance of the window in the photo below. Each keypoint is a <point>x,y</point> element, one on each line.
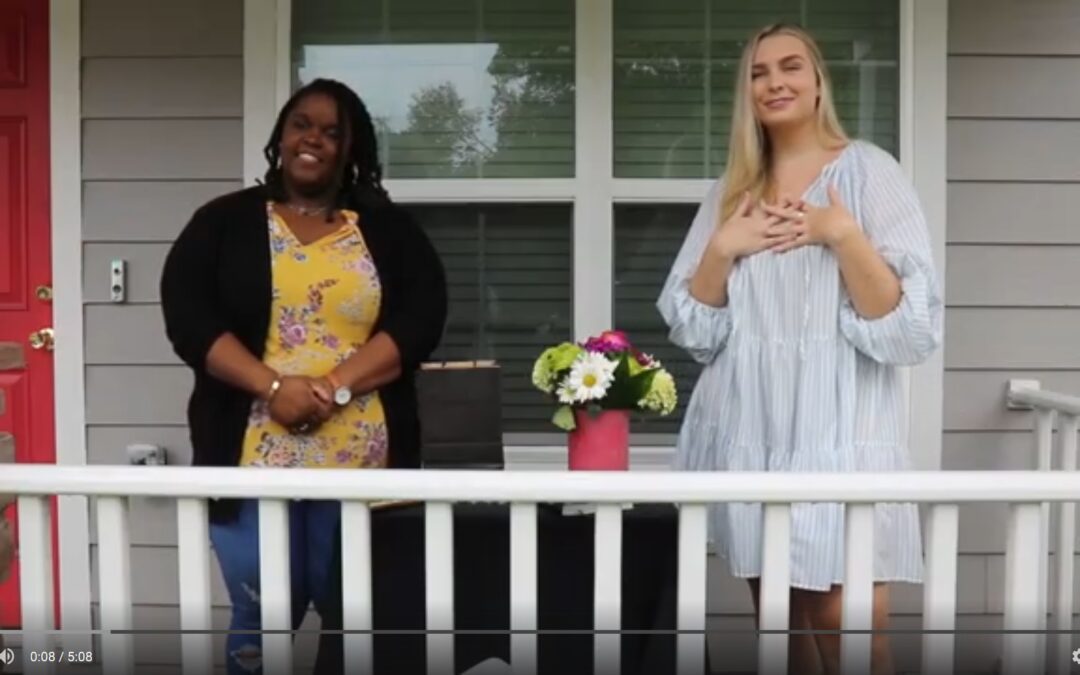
<point>456,88</point>
<point>675,64</point>
<point>480,91</point>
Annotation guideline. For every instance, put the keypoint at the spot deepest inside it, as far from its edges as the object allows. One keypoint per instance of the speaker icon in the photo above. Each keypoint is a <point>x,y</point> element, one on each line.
<point>7,657</point>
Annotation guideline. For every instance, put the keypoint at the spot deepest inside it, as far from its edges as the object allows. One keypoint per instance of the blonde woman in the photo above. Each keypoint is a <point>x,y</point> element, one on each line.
<point>805,280</point>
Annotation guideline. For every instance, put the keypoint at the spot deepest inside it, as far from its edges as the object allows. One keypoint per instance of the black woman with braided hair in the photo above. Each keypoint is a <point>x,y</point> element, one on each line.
<point>303,306</point>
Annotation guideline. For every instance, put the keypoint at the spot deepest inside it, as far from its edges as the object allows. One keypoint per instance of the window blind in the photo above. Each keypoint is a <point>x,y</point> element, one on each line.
<point>509,279</point>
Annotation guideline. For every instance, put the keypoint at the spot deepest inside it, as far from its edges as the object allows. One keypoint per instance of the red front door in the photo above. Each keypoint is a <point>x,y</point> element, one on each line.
<point>26,372</point>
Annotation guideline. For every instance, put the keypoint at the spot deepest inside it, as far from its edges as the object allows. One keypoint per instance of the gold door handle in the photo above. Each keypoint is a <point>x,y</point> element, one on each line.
<point>42,339</point>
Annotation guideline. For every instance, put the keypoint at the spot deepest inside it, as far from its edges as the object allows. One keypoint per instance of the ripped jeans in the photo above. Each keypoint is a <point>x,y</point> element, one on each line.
<point>313,527</point>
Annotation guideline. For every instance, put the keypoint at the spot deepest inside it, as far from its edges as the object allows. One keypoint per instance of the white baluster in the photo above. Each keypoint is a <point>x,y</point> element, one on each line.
<point>607,571</point>
<point>192,527</point>
<point>275,587</point>
<point>439,578</point>
<point>523,588</point>
<point>939,589</point>
<point>114,583</point>
<point>1044,438</point>
<point>356,587</point>
<point>1022,563</point>
<point>1066,547</point>
<point>36,580</point>
<point>775,600</point>
<point>693,572</point>
<point>858,600</point>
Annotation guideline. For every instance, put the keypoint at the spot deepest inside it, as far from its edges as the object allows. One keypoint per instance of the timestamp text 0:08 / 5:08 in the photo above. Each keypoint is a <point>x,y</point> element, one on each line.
<point>59,656</point>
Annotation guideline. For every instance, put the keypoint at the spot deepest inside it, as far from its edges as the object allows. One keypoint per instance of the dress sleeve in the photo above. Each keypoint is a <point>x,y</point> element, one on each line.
<point>702,330</point>
<point>894,222</point>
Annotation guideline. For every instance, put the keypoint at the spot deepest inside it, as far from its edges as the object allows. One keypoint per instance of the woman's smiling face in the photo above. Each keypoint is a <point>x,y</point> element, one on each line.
<point>312,140</point>
<point>783,82</point>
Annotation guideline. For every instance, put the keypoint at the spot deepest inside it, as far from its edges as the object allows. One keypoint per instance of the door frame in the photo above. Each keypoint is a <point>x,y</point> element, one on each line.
<point>69,391</point>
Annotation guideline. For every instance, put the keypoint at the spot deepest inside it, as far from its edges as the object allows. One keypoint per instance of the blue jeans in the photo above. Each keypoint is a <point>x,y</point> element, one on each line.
<point>313,526</point>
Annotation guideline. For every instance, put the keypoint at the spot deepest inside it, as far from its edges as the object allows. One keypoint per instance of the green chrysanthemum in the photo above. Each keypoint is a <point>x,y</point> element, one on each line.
<point>661,396</point>
<point>551,363</point>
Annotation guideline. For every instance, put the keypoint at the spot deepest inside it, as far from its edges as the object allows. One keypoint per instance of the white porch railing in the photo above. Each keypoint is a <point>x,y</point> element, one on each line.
<point>1048,405</point>
<point>942,492</point>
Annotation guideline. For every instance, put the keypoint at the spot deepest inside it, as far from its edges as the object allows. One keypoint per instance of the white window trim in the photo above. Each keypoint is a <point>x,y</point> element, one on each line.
<point>594,191</point>
<point>923,134</point>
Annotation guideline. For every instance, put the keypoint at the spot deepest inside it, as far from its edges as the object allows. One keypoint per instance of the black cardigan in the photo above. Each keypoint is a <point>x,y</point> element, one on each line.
<point>217,279</point>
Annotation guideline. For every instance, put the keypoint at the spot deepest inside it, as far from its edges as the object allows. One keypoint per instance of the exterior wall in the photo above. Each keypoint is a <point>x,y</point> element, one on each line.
<point>162,133</point>
<point>1013,251</point>
<point>162,88</point>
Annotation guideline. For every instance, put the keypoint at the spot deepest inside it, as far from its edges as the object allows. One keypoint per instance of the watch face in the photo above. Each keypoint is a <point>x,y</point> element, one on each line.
<point>342,396</point>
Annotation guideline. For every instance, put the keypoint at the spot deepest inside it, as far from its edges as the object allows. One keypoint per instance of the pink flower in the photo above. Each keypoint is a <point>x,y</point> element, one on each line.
<point>293,334</point>
<point>608,342</point>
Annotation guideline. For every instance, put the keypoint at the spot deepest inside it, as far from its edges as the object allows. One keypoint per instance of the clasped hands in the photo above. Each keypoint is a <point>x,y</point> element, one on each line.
<point>782,226</point>
<point>302,403</point>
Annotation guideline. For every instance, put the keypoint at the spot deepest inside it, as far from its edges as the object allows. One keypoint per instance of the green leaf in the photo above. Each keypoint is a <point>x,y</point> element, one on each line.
<point>564,418</point>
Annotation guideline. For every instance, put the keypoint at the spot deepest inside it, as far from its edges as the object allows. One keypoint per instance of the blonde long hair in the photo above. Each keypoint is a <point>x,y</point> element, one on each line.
<point>749,155</point>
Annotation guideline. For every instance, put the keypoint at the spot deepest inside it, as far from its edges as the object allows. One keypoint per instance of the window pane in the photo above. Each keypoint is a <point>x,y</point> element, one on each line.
<point>647,239</point>
<point>675,64</point>
<point>509,275</point>
<point>456,88</point>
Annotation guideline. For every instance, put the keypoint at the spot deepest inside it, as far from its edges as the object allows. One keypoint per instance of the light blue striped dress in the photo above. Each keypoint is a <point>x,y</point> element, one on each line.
<point>796,380</point>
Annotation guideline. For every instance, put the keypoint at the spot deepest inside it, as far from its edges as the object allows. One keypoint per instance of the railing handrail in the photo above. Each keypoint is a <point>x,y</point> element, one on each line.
<point>1046,400</point>
<point>542,486</point>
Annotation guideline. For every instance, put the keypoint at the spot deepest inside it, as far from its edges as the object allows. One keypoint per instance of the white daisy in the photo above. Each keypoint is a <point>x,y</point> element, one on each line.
<point>590,377</point>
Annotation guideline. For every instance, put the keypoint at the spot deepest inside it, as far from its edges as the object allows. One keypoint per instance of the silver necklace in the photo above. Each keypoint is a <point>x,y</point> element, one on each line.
<point>307,210</point>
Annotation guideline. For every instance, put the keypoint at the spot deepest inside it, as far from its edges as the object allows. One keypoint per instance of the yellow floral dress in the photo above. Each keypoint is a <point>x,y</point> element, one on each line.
<point>326,297</point>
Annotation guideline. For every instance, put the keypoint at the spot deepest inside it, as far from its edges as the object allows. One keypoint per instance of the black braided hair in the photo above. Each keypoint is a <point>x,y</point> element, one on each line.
<point>358,174</point>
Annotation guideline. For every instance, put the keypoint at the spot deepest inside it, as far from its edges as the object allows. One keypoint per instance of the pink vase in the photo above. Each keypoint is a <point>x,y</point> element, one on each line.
<point>600,443</point>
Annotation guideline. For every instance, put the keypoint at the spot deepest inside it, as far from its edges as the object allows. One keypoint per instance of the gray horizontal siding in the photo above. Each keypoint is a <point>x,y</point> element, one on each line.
<point>162,87</point>
<point>137,395</point>
<point>162,99</point>
<point>104,323</point>
<point>1013,253</point>
<point>1005,213</point>
<point>1014,150</point>
<point>994,338</point>
<point>162,149</point>
<point>1029,28</point>
<point>1015,276</point>
<point>975,87</point>
<point>975,399</point>
<point>144,211</point>
<point>180,29</point>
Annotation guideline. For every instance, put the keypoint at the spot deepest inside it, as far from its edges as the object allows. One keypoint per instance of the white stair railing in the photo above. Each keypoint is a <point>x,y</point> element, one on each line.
<point>1049,405</point>
<point>111,488</point>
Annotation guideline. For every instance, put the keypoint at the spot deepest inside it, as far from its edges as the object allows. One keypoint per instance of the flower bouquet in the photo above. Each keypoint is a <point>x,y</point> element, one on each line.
<point>595,386</point>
